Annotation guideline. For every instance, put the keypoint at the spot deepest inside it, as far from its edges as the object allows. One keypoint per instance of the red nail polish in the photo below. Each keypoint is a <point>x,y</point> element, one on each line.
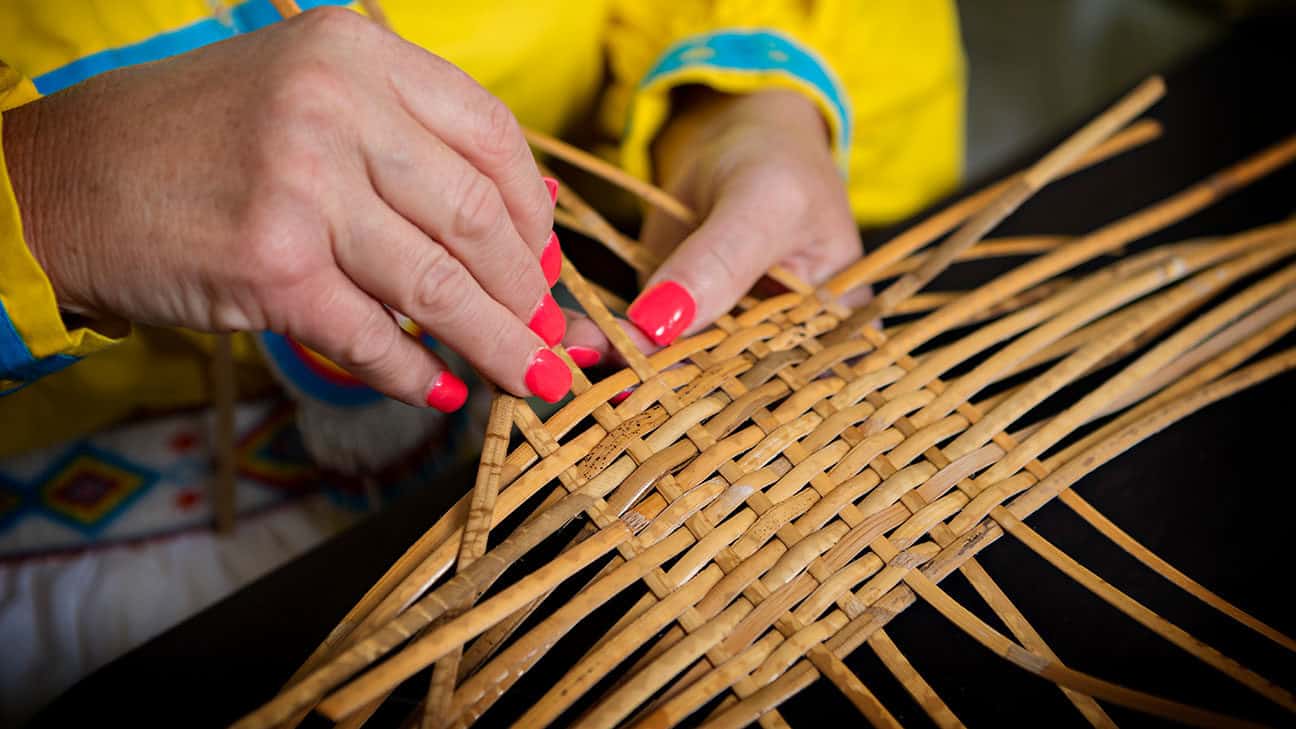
<point>552,184</point>
<point>448,393</point>
<point>584,356</point>
<point>551,260</point>
<point>620,397</point>
<point>663,312</point>
<point>548,321</point>
<point>547,377</point>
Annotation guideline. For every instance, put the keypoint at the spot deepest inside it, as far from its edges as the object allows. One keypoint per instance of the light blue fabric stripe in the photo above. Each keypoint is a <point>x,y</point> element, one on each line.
<point>47,366</point>
<point>300,374</point>
<point>160,46</point>
<point>16,360</point>
<point>14,355</point>
<point>756,50</point>
<point>247,16</point>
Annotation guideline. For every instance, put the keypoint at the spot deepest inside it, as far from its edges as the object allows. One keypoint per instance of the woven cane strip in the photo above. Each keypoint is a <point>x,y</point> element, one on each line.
<point>987,532</point>
<point>1138,134</point>
<point>780,353</point>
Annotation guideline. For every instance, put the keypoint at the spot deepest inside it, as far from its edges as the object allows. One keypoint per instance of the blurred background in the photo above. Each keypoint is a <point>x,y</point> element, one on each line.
<point>1038,67</point>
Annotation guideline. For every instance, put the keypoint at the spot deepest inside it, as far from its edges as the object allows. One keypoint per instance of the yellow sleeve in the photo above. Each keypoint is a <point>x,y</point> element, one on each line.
<point>887,76</point>
<point>34,341</point>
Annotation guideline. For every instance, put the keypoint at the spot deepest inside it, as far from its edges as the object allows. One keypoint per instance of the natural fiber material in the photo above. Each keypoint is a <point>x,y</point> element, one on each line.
<point>786,482</point>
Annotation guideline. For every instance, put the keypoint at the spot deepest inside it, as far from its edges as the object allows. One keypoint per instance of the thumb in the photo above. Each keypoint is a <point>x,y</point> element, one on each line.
<point>708,272</point>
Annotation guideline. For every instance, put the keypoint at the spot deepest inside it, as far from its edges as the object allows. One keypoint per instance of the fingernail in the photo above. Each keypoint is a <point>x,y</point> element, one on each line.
<point>552,184</point>
<point>548,321</point>
<point>584,356</point>
<point>547,377</point>
<point>448,393</point>
<point>551,260</point>
<point>620,397</point>
<point>663,312</point>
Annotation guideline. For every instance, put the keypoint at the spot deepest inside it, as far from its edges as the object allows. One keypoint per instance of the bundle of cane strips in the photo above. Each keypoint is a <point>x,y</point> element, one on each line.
<point>786,482</point>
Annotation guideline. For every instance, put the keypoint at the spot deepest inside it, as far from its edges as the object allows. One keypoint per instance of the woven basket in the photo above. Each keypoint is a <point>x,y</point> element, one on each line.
<point>783,484</point>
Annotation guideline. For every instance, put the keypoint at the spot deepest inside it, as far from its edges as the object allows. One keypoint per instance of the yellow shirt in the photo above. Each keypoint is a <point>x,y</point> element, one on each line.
<point>887,75</point>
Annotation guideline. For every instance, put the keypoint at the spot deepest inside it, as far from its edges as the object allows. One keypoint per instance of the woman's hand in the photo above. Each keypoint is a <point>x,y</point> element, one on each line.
<point>301,179</point>
<point>759,171</point>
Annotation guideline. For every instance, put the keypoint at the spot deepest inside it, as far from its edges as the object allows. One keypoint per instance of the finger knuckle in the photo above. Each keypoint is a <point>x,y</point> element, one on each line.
<point>309,87</point>
<point>372,348</point>
<point>789,194</point>
<point>439,283</point>
<point>274,255</point>
<point>477,208</point>
<point>538,221</point>
<point>499,136</point>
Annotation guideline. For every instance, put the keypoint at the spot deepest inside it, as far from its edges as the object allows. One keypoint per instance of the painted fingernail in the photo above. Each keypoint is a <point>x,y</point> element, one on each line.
<point>547,377</point>
<point>551,260</point>
<point>548,321</point>
<point>620,397</point>
<point>448,393</point>
<point>584,356</point>
<point>663,312</point>
<point>552,184</point>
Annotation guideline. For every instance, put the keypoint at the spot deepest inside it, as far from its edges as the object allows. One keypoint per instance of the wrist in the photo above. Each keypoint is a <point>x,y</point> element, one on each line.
<point>45,204</point>
<point>701,114</point>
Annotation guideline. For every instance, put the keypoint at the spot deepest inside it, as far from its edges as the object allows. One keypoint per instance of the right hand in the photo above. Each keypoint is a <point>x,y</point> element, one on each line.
<point>297,180</point>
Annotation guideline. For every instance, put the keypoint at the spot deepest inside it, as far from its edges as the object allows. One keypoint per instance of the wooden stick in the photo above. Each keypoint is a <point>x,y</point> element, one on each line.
<point>224,393</point>
<point>579,158</point>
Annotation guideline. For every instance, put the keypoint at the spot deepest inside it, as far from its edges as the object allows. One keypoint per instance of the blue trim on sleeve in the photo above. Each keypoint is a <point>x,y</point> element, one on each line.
<point>47,366</point>
<point>246,16</point>
<point>289,363</point>
<point>756,50</point>
<point>16,360</point>
<point>281,355</point>
<point>14,354</point>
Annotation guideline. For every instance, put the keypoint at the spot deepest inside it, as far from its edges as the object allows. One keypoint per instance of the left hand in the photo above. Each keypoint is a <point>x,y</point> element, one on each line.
<point>759,171</point>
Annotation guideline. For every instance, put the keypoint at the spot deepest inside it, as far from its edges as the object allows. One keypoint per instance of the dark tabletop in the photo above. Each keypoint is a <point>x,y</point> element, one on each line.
<point>1213,495</point>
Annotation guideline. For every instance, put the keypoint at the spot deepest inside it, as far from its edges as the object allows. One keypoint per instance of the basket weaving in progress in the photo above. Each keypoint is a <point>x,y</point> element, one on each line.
<point>779,487</point>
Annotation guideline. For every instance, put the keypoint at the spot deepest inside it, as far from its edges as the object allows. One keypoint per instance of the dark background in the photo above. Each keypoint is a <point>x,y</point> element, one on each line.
<point>1212,494</point>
